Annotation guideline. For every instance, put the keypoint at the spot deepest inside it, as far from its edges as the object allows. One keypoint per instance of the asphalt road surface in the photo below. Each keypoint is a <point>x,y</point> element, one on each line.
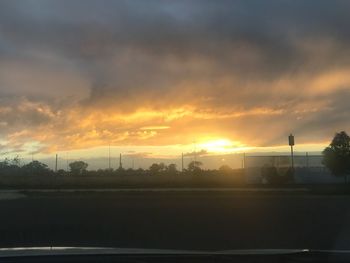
<point>175,220</point>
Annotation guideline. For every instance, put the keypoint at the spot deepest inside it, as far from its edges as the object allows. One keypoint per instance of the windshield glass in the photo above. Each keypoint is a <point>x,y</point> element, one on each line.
<point>192,125</point>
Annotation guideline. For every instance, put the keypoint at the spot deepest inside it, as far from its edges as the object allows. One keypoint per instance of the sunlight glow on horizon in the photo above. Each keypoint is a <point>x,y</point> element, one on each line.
<point>220,146</point>
<point>211,147</point>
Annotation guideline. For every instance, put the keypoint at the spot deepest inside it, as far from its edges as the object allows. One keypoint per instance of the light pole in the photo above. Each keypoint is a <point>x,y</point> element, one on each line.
<point>291,144</point>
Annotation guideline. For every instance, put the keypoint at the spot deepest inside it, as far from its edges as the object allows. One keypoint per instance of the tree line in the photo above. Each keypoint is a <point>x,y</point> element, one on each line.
<point>9,167</point>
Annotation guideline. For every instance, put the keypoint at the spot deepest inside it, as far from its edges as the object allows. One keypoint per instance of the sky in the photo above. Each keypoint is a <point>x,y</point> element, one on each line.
<point>158,78</point>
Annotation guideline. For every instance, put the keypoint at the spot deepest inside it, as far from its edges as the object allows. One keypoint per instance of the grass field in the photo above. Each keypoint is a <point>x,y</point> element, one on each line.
<point>236,180</point>
<point>56,182</point>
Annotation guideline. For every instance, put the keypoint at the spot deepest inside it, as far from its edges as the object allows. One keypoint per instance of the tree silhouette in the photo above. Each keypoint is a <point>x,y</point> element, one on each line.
<point>78,167</point>
<point>35,168</point>
<point>194,166</point>
<point>157,168</point>
<point>162,167</point>
<point>336,157</point>
<point>10,167</point>
<point>171,169</point>
<point>225,169</point>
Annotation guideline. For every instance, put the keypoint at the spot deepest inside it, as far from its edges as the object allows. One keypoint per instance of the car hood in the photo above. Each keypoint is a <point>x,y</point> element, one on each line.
<point>46,251</point>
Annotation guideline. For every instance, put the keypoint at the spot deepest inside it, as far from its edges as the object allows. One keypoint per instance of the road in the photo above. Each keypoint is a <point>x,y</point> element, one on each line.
<point>213,220</point>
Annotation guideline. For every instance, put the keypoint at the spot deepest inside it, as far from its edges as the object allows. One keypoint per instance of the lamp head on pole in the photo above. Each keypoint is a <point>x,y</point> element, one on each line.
<point>291,140</point>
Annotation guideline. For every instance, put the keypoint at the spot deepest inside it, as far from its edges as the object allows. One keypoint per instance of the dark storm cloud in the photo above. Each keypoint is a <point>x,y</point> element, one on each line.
<point>92,31</point>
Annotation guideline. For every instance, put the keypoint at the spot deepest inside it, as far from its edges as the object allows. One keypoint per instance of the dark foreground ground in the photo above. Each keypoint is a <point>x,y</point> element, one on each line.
<point>176,220</point>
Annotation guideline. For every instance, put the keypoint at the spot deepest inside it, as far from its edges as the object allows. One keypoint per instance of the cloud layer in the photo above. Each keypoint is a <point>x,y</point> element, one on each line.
<point>79,74</point>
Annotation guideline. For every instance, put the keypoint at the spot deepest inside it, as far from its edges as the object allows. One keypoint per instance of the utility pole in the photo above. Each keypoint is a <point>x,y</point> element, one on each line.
<point>195,156</point>
<point>109,156</point>
<point>120,161</point>
<point>243,160</point>
<point>56,163</point>
<point>182,162</point>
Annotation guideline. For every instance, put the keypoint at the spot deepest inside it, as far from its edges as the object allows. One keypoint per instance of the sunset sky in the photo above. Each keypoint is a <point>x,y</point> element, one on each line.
<point>157,78</point>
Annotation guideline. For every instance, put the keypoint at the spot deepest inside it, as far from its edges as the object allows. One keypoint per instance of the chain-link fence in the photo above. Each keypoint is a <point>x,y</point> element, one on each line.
<point>307,169</point>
